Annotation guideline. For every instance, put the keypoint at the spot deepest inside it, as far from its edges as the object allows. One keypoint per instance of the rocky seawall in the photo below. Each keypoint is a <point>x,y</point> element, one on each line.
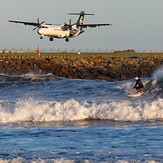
<point>104,68</point>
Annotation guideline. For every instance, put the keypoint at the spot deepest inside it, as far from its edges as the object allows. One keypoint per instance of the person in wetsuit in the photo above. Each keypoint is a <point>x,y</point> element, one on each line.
<point>138,86</point>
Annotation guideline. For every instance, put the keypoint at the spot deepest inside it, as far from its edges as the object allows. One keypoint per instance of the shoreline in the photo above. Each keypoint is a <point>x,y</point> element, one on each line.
<point>74,66</point>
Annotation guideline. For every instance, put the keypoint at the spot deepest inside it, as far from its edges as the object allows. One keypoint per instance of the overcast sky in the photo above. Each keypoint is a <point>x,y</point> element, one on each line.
<point>138,24</point>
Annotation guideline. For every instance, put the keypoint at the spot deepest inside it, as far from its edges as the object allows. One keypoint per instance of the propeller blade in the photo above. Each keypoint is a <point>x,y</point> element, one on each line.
<point>70,26</point>
<point>35,28</point>
<point>39,24</point>
<point>38,20</point>
<point>42,23</point>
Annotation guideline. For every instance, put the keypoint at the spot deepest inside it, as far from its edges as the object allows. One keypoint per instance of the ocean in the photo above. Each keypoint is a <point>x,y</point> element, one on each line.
<point>46,119</point>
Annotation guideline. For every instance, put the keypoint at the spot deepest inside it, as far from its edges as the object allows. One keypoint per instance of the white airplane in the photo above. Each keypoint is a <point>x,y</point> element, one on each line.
<point>62,31</point>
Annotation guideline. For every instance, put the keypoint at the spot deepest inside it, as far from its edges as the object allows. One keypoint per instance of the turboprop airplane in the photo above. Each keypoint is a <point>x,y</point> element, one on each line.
<point>62,31</point>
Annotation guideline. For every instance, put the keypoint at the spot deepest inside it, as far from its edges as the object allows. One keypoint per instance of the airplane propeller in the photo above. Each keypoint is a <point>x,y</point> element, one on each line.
<point>38,24</point>
<point>68,26</point>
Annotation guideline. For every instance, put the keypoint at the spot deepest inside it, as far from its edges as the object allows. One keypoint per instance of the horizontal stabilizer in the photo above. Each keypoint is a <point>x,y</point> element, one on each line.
<point>80,14</point>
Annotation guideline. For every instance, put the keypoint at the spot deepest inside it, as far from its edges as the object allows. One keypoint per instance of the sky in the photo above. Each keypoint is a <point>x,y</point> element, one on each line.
<point>138,24</point>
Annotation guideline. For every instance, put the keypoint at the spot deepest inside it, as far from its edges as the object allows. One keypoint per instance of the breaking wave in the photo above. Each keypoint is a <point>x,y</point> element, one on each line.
<point>119,108</point>
<point>72,110</point>
<point>158,74</point>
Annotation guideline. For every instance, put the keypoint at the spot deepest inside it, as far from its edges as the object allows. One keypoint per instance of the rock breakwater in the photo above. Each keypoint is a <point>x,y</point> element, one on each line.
<point>109,69</point>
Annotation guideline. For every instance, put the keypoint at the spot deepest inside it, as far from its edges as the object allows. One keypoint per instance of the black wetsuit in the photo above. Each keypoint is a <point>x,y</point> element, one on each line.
<point>140,85</point>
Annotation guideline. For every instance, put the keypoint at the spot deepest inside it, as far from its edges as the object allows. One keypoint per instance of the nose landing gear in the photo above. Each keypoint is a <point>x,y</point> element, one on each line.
<point>67,39</point>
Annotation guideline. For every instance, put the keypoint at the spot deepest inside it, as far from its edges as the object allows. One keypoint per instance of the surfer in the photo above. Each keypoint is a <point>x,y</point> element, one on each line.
<point>138,86</point>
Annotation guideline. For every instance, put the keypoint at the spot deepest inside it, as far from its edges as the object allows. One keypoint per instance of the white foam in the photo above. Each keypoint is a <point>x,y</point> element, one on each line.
<point>158,74</point>
<point>72,110</point>
<point>23,160</point>
<point>36,75</point>
<point>126,85</point>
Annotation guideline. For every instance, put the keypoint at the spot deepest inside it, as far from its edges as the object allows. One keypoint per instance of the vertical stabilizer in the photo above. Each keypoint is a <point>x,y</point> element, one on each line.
<point>81,17</point>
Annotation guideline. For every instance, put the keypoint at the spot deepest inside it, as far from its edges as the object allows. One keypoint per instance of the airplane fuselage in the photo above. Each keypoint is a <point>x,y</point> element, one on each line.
<point>57,31</point>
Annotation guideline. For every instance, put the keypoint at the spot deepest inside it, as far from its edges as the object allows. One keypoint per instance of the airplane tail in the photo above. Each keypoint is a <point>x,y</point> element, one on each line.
<point>81,17</point>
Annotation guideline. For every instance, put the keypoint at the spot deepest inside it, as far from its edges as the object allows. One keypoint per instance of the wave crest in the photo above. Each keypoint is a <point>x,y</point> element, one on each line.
<point>72,110</point>
<point>158,74</point>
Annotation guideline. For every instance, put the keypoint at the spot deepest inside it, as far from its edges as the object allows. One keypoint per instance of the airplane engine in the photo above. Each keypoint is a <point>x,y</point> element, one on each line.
<point>75,33</point>
<point>74,27</point>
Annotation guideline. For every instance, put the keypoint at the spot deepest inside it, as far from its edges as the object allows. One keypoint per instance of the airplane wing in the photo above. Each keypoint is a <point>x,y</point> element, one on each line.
<point>92,25</point>
<point>25,23</point>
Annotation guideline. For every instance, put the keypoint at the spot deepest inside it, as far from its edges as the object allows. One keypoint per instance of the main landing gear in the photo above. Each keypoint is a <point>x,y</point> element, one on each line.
<point>51,39</point>
<point>41,37</point>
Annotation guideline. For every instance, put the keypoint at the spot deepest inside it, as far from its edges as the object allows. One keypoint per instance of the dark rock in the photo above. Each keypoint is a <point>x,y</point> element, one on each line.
<point>109,69</point>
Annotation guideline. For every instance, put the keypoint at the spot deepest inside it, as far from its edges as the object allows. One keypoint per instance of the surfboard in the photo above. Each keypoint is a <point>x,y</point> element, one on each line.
<point>135,95</point>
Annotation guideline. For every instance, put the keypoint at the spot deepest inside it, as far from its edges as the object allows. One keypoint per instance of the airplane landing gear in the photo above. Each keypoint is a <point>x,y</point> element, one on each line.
<point>51,39</point>
<point>67,39</point>
<point>41,37</point>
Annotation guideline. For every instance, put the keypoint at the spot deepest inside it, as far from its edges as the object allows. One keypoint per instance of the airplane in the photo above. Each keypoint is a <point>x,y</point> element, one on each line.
<point>62,31</point>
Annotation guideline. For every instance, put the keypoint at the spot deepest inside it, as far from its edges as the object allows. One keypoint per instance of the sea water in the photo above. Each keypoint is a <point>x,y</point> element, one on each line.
<point>44,118</point>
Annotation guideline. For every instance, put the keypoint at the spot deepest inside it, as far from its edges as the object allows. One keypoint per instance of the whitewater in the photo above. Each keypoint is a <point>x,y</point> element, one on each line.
<point>44,118</point>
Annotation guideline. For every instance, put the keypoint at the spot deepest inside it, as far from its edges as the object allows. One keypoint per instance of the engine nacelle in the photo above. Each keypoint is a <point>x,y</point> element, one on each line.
<point>74,33</point>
